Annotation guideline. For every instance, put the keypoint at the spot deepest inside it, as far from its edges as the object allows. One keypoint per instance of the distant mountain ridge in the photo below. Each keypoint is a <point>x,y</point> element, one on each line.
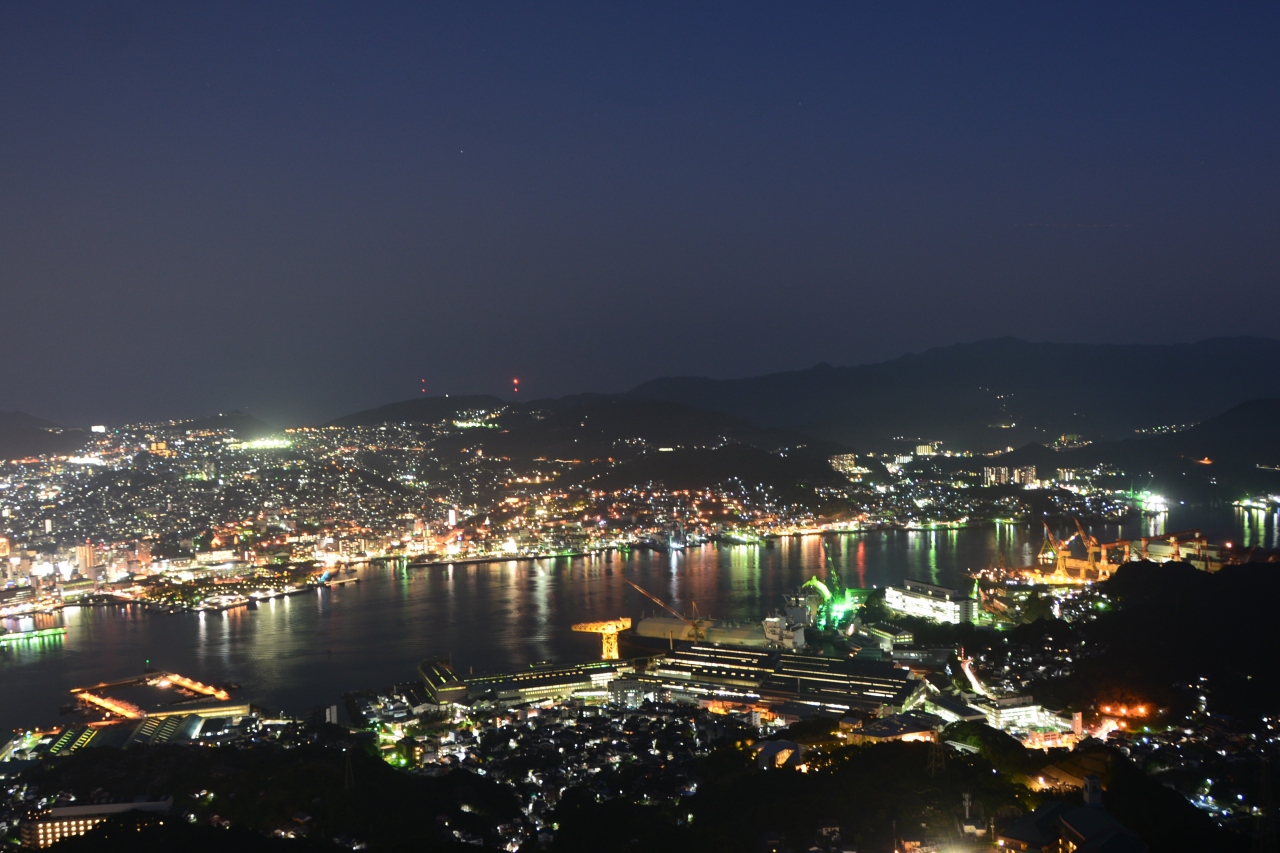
<point>989,393</point>
<point>705,448</point>
<point>610,428</point>
<point>241,423</point>
<point>21,420</point>
<point>419,410</point>
<point>985,395</point>
<point>23,435</point>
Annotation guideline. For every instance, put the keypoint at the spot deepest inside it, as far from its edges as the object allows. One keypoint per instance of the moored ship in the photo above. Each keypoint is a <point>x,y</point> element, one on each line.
<point>655,634</point>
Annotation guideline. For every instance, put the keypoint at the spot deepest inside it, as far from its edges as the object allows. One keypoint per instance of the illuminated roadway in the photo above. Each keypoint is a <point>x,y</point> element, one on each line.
<point>967,666</point>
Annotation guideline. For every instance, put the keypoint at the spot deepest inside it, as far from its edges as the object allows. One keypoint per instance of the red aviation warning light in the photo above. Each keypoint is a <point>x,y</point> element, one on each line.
<point>424,386</point>
<point>515,386</point>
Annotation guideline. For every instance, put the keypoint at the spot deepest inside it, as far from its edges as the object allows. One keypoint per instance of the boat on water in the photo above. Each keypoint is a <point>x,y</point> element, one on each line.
<point>38,634</point>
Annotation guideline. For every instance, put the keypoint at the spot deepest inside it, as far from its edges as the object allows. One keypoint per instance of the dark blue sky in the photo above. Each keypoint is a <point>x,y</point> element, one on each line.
<point>305,209</point>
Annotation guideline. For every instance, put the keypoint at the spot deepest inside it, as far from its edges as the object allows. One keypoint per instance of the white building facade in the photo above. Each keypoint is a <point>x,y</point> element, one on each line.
<point>916,598</point>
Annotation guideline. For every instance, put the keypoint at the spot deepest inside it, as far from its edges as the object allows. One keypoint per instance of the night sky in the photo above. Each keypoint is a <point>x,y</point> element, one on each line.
<point>306,209</point>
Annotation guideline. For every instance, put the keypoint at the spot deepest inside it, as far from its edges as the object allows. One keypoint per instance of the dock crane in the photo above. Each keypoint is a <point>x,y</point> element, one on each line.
<point>695,623</point>
<point>608,631</point>
<point>832,587</point>
<point>1059,548</point>
<point>1108,546</point>
<point>1091,546</point>
<point>1174,542</point>
<point>822,588</point>
<point>832,572</point>
<point>1053,545</point>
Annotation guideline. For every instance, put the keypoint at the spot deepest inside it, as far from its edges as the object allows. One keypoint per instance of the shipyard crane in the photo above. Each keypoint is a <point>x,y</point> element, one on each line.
<point>833,585</point>
<point>1107,546</point>
<point>1091,546</point>
<point>1173,540</point>
<point>822,588</point>
<point>695,624</point>
<point>608,631</point>
<point>1060,548</point>
<point>832,572</point>
<point>1200,544</point>
<point>1053,545</point>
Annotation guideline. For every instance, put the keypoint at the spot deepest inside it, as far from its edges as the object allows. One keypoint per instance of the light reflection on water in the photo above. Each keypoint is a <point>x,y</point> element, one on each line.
<point>299,652</point>
<point>1259,528</point>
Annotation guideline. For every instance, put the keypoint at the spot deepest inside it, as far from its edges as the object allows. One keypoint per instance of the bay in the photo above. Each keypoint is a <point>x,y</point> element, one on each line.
<point>294,654</point>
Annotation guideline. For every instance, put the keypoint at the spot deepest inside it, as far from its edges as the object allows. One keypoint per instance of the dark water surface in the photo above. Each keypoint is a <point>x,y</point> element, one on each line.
<point>297,653</point>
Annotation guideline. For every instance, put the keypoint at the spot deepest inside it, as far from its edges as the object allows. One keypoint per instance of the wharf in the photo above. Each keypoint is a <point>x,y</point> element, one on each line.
<point>522,558</point>
<point>39,634</point>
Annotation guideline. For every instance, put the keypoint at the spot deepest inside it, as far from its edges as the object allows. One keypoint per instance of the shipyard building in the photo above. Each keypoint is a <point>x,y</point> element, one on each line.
<point>700,674</point>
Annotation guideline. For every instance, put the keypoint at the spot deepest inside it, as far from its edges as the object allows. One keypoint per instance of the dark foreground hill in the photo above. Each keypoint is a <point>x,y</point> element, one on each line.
<point>264,789</point>
<point>1226,671</point>
<point>873,793</point>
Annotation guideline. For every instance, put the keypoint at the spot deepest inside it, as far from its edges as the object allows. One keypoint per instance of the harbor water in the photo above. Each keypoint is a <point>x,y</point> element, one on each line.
<point>296,653</point>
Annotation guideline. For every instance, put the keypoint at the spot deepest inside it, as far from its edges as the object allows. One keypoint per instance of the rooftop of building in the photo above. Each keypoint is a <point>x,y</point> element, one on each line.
<point>108,808</point>
<point>548,676</point>
<point>957,708</point>
<point>900,725</point>
<point>887,629</point>
<point>934,591</point>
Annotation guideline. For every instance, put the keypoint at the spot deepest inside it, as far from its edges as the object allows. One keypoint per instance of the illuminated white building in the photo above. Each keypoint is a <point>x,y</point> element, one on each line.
<point>916,598</point>
<point>1019,713</point>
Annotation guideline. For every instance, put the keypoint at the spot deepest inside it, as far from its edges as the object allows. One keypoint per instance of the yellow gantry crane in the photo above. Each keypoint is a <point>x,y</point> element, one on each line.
<point>608,631</point>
